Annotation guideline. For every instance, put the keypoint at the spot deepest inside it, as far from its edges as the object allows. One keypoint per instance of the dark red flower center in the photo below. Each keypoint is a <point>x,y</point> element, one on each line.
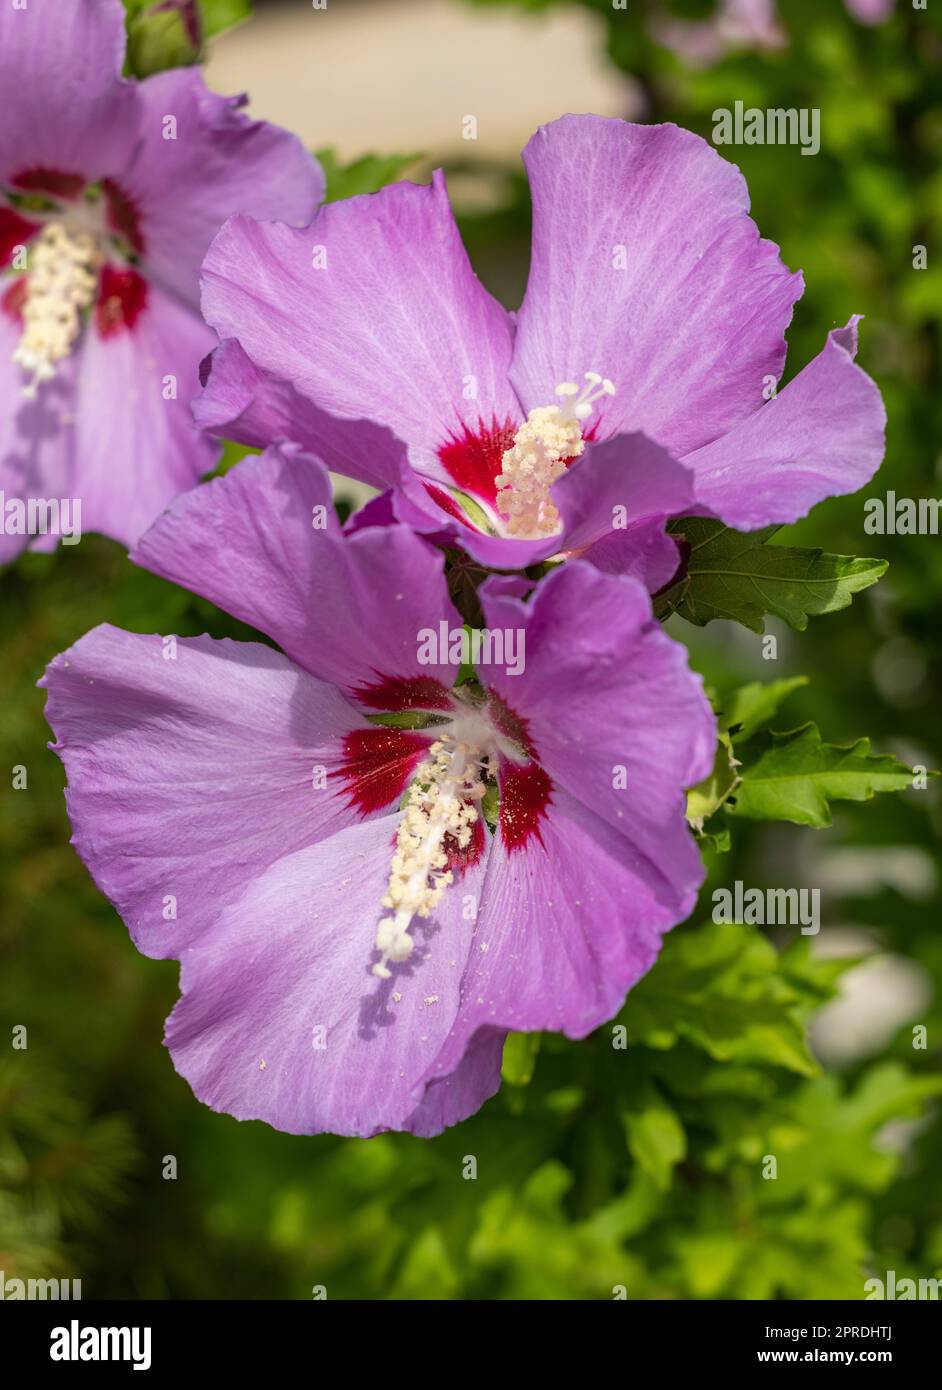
<point>394,694</point>
<point>472,458</point>
<point>54,183</point>
<point>122,295</point>
<point>525,787</point>
<point>379,764</point>
<point>14,299</point>
<point>15,231</point>
<point>445,765</point>
<point>123,216</point>
<point>524,796</point>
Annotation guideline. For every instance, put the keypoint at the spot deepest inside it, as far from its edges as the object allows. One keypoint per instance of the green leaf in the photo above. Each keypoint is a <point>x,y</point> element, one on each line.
<point>709,795</point>
<point>427,1264</point>
<point>473,511</point>
<point>740,577</point>
<point>466,669</point>
<point>232,453</point>
<point>407,719</point>
<point>721,988</point>
<point>760,1029</point>
<point>365,175</point>
<point>708,1260</point>
<point>157,42</point>
<point>219,15</point>
<point>519,1060</point>
<point>656,1137</point>
<point>816,978</point>
<point>490,804</point>
<point>171,33</point>
<point>794,776</point>
<point>717,840</point>
<point>830,1136</point>
<point>746,710</point>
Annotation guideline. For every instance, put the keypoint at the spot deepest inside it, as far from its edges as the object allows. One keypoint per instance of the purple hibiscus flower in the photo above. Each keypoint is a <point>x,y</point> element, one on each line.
<point>870,11</point>
<point>110,192</point>
<point>631,386</point>
<point>733,24</point>
<point>742,24</point>
<point>351,961</point>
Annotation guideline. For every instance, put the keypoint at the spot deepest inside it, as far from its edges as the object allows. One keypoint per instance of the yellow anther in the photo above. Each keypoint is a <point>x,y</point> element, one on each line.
<point>542,450</point>
<point>61,284</point>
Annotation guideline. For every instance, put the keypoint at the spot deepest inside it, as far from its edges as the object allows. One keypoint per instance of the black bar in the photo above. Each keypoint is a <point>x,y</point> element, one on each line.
<point>265,1337</point>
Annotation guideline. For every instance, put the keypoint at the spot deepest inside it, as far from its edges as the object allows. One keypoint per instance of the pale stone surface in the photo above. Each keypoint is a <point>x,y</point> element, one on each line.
<point>399,75</point>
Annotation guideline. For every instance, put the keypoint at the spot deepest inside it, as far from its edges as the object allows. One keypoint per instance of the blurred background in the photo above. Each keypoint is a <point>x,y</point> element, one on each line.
<point>596,1169</point>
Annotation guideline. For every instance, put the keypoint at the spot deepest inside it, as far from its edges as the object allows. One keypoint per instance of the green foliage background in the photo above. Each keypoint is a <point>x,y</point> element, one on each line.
<point>598,1167</point>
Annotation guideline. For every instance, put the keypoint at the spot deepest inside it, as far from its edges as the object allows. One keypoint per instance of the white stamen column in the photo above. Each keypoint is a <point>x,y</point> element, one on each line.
<point>542,449</point>
<point>60,285</point>
<point>441,803</point>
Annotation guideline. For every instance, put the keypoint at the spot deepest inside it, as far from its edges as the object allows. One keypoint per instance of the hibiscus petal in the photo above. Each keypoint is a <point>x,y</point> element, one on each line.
<point>566,926</point>
<point>608,699</point>
<point>240,402</point>
<point>372,312</point>
<point>822,436</point>
<point>628,475</point>
<point>36,438</point>
<point>72,114</point>
<point>135,449</point>
<point>347,609</point>
<point>281,1019</point>
<point>615,501</point>
<point>452,1098</point>
<point>219,162</point>
<point>647,269</point>
<point>188,777</point>
<point>643,550</point>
